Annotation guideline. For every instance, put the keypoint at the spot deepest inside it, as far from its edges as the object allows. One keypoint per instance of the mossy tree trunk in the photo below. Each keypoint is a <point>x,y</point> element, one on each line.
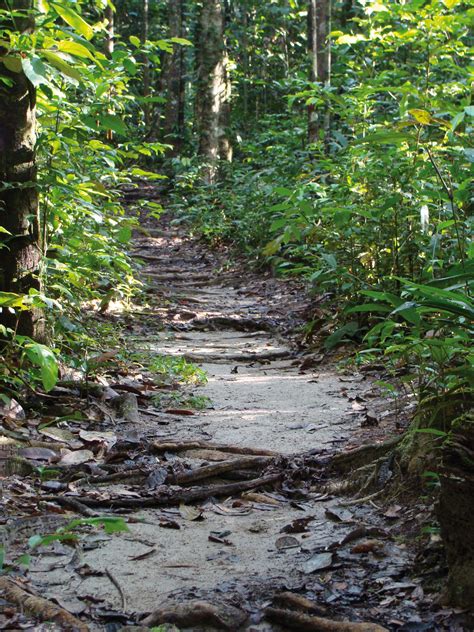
<point>20,248</point>
<point>212,107</point>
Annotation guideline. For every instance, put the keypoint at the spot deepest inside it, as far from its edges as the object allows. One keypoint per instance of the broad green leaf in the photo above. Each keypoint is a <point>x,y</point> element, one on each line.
<point>109,523</point>
<point>74,19</point>
<point>44,358</point>
<point>12,63</point>
<point>113,122</point>
<point>351,39</point>
<point>35,70</point>
<point>135,40</point>
<point>181,40</point>
<point>368,307</point>
<point>382,137</point>
<point>272,247</point>
<point>10,299</point>
<point>124,235</point>
<point>61,65</point>
<point>421,116</point>
<point>340,334</point>
<point>77,50</point>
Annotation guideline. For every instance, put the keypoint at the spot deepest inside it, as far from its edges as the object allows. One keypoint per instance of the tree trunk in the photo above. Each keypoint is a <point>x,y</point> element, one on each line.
<point>213,89</point>
<point>174,79</point>
<point>319,49</point>
<point>110,41</point>
<point>20,248</point>
<point>146,63</point>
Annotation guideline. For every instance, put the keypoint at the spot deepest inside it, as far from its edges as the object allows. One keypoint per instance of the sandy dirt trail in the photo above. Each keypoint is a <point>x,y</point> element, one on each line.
<point>238,549</point>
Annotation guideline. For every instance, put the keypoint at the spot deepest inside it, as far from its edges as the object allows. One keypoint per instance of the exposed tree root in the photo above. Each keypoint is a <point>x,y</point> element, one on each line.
<point>172,497</point>
<point>238,357</point>
<point>220,616</point>
<point>180,446</point>
<point>216,469</point>
<point>227,322</point>
<point>365,454</point>
<point>39,607</point>
<point>294,601</point>
<point>306,622</point>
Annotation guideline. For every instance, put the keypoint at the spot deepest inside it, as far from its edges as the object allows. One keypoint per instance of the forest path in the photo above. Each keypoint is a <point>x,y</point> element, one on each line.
<point>267,525</point>
<point>227,322</point>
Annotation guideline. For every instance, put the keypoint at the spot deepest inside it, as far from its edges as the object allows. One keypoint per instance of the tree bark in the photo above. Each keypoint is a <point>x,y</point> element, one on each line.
<point>319,49</point>
<point>110,41</point>
<point>146,63</point>
<point>213,89</point>
<point>174,76</point>
<point>20,248</point>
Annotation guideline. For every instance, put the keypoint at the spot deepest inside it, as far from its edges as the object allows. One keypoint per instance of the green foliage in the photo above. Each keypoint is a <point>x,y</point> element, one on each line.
<point>90,132</point>
<point>177,369</point>
<point>181,400</point>
<point>377,216</point>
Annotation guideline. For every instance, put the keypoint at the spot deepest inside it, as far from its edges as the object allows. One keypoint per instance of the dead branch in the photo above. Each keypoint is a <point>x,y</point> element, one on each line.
<point>220,616</point>
<point>70,503</point>
<point>308,623</point>
<point>113,478</point>
<point>39,607</point>
<point>180,446</point>
<point>216,469</point>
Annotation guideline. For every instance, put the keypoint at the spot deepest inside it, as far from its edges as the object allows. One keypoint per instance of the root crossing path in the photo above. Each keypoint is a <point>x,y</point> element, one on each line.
<point>220,481</point>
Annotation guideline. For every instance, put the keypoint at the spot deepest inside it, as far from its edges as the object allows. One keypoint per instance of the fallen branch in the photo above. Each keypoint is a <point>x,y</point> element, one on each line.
<point>39,607</point>
<point>221,616</point>
<point>180,446</point>
<point>70,503</point>
<point>216,469</point>
<point>308,623</point>
<point>182,496</point>
<point>114,477</point>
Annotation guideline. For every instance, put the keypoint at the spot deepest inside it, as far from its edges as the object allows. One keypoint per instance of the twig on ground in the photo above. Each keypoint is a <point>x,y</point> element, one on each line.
<point>118,587</point>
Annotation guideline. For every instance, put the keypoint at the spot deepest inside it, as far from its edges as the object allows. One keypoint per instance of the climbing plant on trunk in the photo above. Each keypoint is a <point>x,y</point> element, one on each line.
<point>20,247</point>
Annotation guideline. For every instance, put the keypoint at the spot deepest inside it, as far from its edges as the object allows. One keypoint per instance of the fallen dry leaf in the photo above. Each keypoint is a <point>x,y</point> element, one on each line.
<point>76,457</point>
<point>190,513</point>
